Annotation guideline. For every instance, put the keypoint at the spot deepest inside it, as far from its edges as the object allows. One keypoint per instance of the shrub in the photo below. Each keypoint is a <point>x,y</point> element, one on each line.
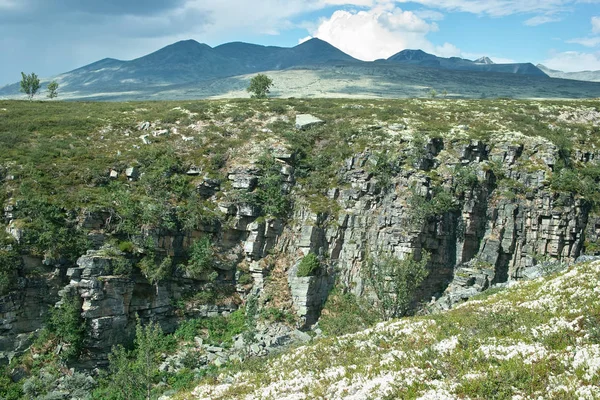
<point>134,374</point>
<point>308,266</point>
<point>10,263</point>
<point>126,247</point>
<point>153,272</point>
<point>384,169</point>
<point>345,313</point>
<point>394,281</point>
<point>67,325</point>
<point>245,279</point>
<point>9,390</point>
<point>270,193</point>
<point>275,314</point>
<point>421,209</point>
<point>218,330</point>
<point>201,258</point>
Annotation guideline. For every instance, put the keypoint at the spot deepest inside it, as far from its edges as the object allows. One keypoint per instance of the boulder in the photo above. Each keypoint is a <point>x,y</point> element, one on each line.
<point>305,121</point>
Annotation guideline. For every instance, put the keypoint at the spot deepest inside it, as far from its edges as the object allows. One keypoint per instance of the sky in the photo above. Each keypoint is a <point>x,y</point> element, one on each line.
<point>49,37</point>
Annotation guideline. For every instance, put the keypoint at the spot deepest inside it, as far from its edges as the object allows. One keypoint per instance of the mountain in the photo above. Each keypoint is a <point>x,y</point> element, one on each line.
<point>189,69</point>
<point>187,62</point>
<point>591,76</point>
<point>254,58</point>
<point>484,64</point>
<point>484,60</point>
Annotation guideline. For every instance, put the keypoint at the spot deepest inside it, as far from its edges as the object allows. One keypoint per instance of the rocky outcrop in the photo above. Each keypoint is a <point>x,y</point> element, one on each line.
<point>484,211</point>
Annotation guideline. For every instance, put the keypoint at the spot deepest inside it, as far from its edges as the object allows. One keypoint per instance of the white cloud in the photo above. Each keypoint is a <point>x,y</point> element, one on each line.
<point>587,42</point>
<point>541,19</point>
<point>429,14</point>
<point>498,8</point>
<point>590,41</point>
<point>379,33</point>
<point>596,24</point>
<point>573,61</point>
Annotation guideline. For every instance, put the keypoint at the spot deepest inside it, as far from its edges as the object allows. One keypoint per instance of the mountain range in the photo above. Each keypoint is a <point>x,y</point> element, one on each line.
<point>188,69</point>
<point>591,76</point>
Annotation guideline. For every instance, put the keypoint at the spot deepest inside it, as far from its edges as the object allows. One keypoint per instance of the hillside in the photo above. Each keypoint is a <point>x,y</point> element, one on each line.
<point>591,76</point>
<point>208,235</point>
<point>537,340</point>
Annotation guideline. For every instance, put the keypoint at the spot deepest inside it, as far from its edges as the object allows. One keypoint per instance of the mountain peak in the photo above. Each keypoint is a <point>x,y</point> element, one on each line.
<point>484,60</point>
<point>411,55</point>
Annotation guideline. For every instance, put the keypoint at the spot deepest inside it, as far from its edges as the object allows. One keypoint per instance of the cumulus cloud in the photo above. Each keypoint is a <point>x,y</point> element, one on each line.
<point>573,61</point>
<point>379,32</point>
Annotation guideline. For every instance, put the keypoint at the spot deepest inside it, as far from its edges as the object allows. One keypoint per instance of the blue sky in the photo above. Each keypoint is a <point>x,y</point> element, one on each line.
<point>53,36</point>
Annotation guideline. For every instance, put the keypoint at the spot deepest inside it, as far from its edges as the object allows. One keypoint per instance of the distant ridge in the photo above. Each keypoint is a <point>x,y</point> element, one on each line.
<point>484,64</point>
<point>188,69</point>
<point>590,76</point>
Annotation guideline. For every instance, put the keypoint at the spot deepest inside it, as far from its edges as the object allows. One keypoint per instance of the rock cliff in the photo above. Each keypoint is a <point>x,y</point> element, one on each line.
<point>487,211</point>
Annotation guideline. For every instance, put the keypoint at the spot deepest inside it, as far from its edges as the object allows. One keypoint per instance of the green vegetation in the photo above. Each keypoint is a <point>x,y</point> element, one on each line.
<point>52,90</point>
<point>345,313</point>
<point>272,198</point>
<point>10,264</point>
<point>42,141</point>
<point>30,84</point>
<point>66,325</point>
<point>259,86</point>
<point>422,208</point>
<point>200,264</point>
<point>394,281</point>
<point>133,374</point>
<point>309,265</point>
<point>218,331</point>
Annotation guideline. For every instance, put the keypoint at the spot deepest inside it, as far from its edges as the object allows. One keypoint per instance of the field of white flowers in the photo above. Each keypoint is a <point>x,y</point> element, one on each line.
<point>534,340</point>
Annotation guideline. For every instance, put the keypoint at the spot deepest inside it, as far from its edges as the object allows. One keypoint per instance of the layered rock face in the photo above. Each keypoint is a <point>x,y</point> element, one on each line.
<point>483,210</point>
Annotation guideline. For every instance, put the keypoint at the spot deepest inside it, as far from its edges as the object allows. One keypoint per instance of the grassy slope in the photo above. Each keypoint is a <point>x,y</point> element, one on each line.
<point>536,340</point>
<point>62,153</point>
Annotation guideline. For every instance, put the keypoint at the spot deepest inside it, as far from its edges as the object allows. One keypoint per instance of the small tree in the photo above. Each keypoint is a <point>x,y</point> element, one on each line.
<point>394,281</point>
<point>432,93</point>
<point>132,374</point>
<point>30,84</point>
<point>53,90</point>
<point>259,86</point>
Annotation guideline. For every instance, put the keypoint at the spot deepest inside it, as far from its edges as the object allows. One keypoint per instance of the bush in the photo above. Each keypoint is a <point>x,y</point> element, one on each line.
<point>421,209</point>
<point>126,247</point>
<point>275,314</point>
<point>216,330</point>
<point>156,272</point>
<point>10,263</point>
<point>201,258</point>
<point>270,194</point>
<point>345,313</point>
<point>134,374</point>
<point>308,266</point>
<point>394,281</point>
<point>67,325</point>
<point>9,390</point>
